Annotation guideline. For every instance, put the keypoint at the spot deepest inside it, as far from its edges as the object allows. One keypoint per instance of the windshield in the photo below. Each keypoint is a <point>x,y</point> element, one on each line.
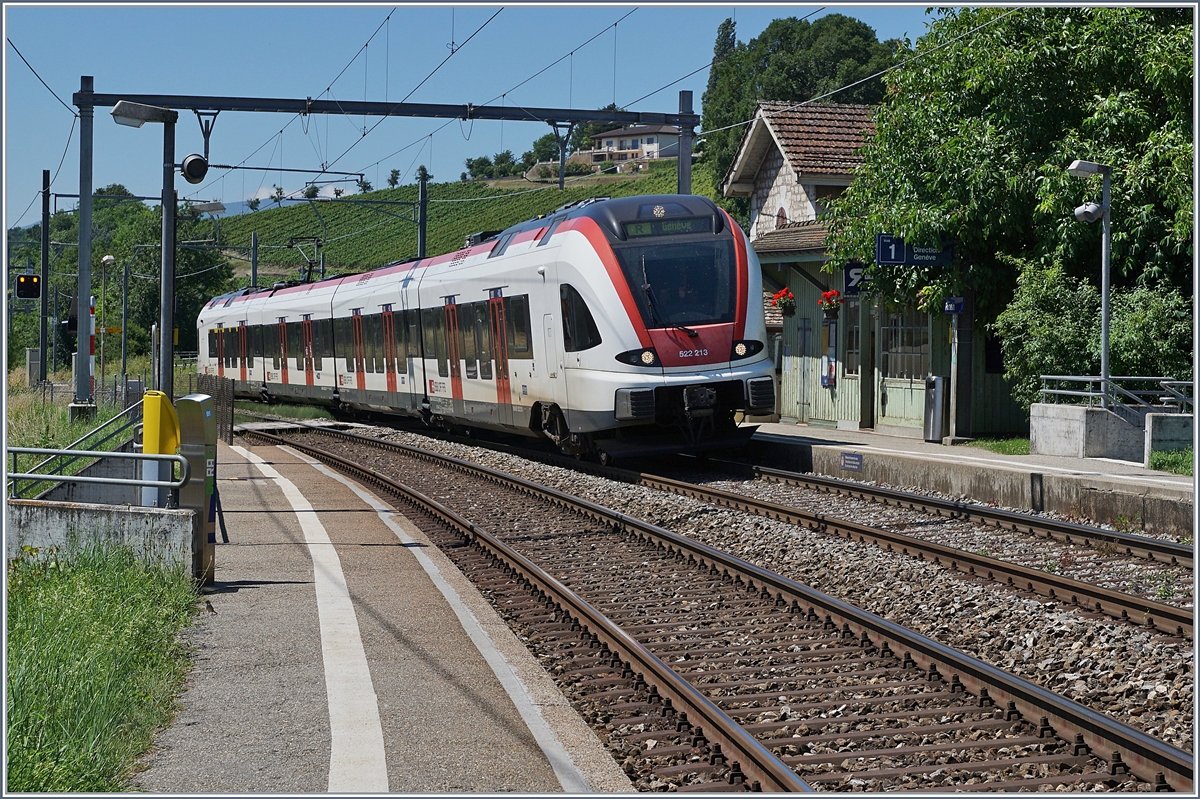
<point>690,283</point>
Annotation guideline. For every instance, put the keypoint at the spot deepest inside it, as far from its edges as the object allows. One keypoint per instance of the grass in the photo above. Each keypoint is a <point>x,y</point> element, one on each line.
<point>1003,446</point>
<point>286,411</point>
<point>94,665</point>
<point>1177,462</point>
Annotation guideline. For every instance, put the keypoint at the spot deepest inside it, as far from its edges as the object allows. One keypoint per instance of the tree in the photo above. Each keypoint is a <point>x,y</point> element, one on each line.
<point>582,133</point>
<point>277,196</point>
<point>480,168</point>
<point>394,178</point>
<point>545,148</point>
<point>973,139</point>
<point>338,191</point>
<point>423,174</point>
<point>791,60</point>
<point>311,191</point>
<point>505,165</point>
<point>364,186</point>
<point>252,203</point>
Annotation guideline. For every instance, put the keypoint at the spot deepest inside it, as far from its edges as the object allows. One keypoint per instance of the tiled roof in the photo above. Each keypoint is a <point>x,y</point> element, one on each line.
<point>820,138</point>
<point>774,316</point>
<point>792,237</point>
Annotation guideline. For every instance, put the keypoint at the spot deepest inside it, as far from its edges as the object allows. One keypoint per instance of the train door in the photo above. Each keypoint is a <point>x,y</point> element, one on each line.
<point>454,347</point>
<point>306,329</point>
<point>552,357</point>
<point>242,352</point>
<point>389,348</point>
<point>499,328</point>
<point>360,350</point>
<point>283,350</point>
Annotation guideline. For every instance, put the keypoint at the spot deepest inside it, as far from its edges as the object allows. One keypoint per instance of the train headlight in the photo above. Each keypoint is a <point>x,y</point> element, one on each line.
<point>642,357</point>
<point>744,349</point>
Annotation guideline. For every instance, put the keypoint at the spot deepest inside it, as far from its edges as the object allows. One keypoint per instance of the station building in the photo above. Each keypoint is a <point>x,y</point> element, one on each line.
<point>866,365</point>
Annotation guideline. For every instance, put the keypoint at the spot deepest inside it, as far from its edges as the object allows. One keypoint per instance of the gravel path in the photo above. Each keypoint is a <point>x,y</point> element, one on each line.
<point>1135,676</point>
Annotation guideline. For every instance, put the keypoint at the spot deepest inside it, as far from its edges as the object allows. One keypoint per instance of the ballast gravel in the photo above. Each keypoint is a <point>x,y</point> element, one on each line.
<point>1136,676</point>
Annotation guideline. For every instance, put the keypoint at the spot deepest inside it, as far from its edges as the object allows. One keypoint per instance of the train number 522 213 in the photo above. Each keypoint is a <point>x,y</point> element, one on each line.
<point>693,353</point>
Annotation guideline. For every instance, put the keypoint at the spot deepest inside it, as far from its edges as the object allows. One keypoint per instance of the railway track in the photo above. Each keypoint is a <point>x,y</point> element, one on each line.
<point>775,679</point>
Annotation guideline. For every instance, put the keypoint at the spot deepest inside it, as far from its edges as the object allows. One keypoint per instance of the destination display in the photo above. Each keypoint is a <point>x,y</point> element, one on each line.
<point>669,227</point>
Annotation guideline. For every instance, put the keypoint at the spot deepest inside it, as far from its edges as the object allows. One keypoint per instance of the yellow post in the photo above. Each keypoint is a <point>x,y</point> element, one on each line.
<point>160,436</point>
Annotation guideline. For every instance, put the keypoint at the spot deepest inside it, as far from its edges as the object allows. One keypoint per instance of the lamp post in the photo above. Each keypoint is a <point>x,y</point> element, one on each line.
<point>135,115</point>
<point>1090,212</point>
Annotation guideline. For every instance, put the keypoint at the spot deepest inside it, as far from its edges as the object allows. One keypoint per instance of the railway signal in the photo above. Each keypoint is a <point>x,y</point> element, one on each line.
<point>29,287</point>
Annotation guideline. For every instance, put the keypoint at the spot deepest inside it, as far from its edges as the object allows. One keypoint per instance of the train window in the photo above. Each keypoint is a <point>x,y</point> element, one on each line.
<point>690,283</point>
<point>579,328</point>
<point>483,332</point>
<point>372,338</point>
<point>398,333</point>
<point>295,344</point>
<point>322,332</point>
<point>271,344</point>
<point>212,343</point>
<point>516,311</point>
<point>550,231</point>
<point>256,343</point>
<point>343,341</point>
<point>243,344</point>
<point>411,321</point>
<point>435,338</point>
<point>466,337</point>
<point>853,337</point>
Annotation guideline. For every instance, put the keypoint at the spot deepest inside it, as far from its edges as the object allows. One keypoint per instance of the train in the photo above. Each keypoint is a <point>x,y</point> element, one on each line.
<point>611,327</point>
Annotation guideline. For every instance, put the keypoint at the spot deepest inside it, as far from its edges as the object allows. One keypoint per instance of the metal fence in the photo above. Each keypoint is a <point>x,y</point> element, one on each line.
<point>221,391</point>
<point>1131,397</point>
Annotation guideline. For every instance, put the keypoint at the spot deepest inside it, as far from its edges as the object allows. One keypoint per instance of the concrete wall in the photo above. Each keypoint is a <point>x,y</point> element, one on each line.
<point>1123,504</point>
<point>1167,432</point>
<point>157,535</point>
<point>1077,431</point>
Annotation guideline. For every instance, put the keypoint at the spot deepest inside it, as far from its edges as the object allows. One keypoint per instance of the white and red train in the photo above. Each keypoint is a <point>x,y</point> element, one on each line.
<point>612,327</point>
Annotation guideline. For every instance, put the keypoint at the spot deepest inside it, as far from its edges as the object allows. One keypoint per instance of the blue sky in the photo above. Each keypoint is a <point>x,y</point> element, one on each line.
<point>299,51</point>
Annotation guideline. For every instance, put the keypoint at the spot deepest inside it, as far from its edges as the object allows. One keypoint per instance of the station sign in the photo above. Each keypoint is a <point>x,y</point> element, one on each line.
<point>852,461</point>
<point>893,251</point>
<point>954,305</point>
<point>854,276</point>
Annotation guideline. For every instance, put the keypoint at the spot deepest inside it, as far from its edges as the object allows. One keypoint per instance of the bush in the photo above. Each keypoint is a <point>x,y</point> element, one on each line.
<point>1052,327</point>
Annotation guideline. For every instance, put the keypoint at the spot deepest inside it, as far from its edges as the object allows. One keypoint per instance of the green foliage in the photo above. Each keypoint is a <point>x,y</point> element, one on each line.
<point>791,60</point>
<point>361,237</point>
<point>1052,327</point>
<point>94,663</point>
<point>973,139</point>
<point>581,134</point>
<point>423,174</point>
<point>277,195</point>
<point>394,179</point>
<point>364,186</point>
<point>545,148</point>
<point>1177,462</point>
<point>311,191</point>
<point>253,203</point>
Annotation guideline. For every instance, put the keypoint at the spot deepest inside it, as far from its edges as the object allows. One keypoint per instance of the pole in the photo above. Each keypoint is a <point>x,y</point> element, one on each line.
<point>83,396</point>
<point>685,146</point>
<point>103,319</point>
<point>562,158</point>
<point>953,378</point>
<point>1104,286</point>
<point>166,306</point>
<point>125,326</point>
<point>54,335</point>
<point>254,260</point>
<point>45,271</point>
<point>422,212</point>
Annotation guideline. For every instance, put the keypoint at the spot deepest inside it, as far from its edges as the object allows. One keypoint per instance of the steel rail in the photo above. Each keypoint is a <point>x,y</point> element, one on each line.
<point>1154,549</point>
<point>1152,759</point>
<point>756,760</point>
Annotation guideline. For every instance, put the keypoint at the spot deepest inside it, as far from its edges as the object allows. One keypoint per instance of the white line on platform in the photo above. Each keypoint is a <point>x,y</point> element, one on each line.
<point>356,756</point>
<point>569,775</point>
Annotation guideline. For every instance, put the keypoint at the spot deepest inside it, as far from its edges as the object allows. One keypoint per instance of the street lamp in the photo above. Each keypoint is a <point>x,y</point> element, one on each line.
<point>135,115</point>
<point>1090,212</point>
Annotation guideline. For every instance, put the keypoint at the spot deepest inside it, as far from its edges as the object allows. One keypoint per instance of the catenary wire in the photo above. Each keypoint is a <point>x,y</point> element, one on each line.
<point>39,77</point>
<point>61,161</point>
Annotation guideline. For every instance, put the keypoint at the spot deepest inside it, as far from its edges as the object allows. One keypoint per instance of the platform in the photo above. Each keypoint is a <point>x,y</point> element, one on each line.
<point>344,653</point>
<point>1121,493</point>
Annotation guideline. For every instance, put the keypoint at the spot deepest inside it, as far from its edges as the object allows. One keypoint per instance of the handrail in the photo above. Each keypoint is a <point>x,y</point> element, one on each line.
<point>70,448</point>
<point>185,470</point>
<point>1124,399</point>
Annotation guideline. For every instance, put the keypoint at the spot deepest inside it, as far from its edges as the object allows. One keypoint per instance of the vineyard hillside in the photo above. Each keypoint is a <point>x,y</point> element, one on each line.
<point>358,235</point>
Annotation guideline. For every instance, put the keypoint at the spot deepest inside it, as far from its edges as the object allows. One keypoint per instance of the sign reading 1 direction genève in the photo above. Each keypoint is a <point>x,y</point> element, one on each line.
<point>891,250</point>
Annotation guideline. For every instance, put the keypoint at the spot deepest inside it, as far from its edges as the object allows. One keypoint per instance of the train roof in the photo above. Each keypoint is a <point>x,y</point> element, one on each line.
<point>611,214</point>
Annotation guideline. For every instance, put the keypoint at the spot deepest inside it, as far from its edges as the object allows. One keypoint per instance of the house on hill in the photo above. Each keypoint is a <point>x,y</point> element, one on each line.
<point>865,365</point>
<point>639,142</point>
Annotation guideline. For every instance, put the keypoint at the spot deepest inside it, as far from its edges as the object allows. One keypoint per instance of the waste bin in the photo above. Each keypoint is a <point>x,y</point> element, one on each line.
<point>935,409</point>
